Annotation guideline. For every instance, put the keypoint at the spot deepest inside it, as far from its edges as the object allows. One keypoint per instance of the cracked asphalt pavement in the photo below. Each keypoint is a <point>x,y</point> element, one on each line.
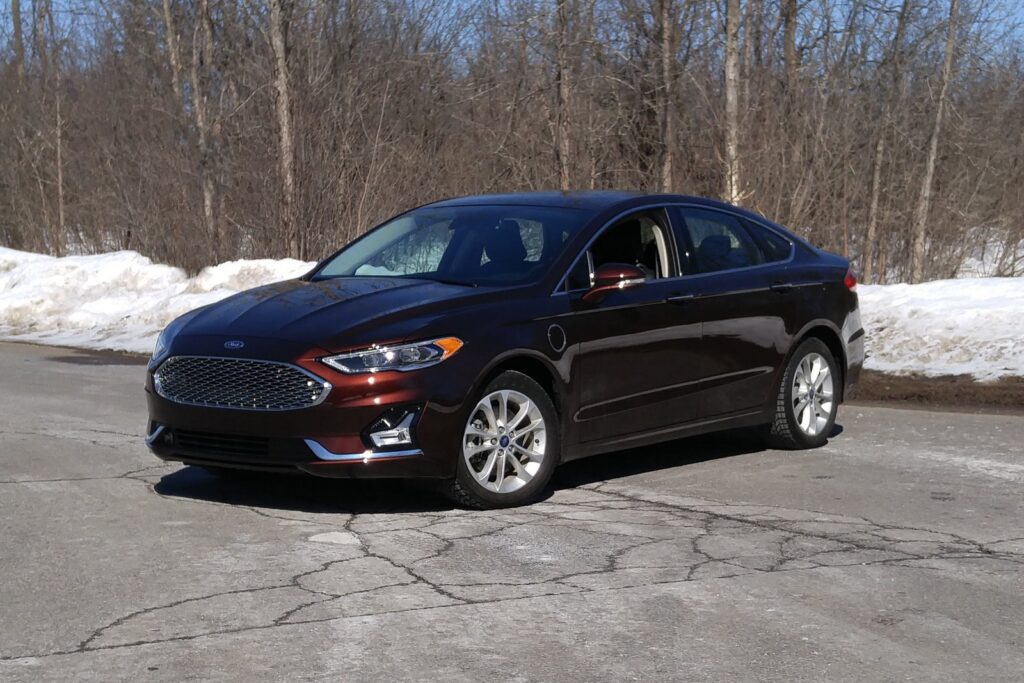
<point>896,552</point>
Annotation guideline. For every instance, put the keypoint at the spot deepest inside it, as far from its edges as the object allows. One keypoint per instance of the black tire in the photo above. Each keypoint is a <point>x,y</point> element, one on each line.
<point>784,431</point>
<point>464,488</point>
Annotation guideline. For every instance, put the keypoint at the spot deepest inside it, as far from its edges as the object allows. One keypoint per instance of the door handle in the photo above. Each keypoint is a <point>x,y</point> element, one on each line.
<point>781,287</point>
<point>680,299</point>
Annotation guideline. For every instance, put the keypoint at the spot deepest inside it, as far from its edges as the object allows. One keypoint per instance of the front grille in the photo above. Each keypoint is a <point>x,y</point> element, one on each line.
<point>238,383</point>
<point>221,444</point>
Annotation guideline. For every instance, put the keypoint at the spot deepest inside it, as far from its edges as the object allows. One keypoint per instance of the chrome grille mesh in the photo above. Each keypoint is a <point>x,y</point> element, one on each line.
<point>238,383</point>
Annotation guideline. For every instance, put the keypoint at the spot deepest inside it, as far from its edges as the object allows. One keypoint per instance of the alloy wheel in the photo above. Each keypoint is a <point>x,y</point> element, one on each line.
<point>504,441</point>
<point>812,400</point>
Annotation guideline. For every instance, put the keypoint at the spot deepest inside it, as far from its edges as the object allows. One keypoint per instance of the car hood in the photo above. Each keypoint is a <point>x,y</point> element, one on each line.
<point>331,314</point>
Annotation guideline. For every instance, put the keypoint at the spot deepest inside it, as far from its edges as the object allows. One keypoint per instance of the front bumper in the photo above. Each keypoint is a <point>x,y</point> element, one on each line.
<point>327,439</point>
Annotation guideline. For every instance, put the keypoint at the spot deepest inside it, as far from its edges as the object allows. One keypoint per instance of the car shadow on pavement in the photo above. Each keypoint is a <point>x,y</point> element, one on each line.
<point>662,456</point>
<point>392,496</point>
<point>302,493</point>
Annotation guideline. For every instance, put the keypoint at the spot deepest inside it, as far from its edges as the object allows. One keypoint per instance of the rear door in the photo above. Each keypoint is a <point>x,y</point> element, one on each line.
<point>739,272</point>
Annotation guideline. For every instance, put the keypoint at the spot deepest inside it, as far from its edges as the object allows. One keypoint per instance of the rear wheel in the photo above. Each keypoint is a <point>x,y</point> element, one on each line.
<point>807,400</point>
<point>509,446</point>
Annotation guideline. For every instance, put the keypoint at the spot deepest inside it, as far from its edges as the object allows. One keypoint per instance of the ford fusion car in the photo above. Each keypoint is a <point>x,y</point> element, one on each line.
<point>482,341</point>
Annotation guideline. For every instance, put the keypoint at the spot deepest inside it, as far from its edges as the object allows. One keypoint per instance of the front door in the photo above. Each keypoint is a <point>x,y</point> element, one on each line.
<point>638,352</point>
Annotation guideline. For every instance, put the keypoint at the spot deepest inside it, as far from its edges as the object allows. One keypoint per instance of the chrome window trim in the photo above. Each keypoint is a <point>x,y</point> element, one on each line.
<point>328,387</point>
<point>662,205</point>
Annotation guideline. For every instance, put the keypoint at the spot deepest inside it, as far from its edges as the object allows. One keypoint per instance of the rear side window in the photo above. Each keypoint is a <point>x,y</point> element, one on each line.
<point>774,246</point>
<point>720,241</point>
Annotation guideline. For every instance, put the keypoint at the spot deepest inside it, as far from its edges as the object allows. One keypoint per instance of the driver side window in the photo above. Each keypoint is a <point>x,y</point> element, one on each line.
<point>640,239</point>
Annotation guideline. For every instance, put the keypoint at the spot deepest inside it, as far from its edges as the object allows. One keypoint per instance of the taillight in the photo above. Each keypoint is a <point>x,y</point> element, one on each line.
<point>850,280</point>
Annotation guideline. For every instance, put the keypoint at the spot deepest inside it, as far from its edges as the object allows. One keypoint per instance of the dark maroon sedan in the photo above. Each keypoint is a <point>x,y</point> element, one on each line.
<point>482,341</point>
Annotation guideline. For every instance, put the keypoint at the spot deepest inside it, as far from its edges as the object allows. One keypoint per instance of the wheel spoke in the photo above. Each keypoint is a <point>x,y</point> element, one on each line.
<point>499,477</point>
<point>822,376</point>
<point>484,474</point>
<point>798,410</point>
<point>488,411</point>
<point>532,454</point>
<point>524,411</point>
<point>519,468</point>
<point>528,429</point>
<point>473,431</point>
<point>503,410</point>
<point>470,451</point>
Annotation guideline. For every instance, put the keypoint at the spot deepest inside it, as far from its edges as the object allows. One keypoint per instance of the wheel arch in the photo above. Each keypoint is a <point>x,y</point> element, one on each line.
<point>532,364</point>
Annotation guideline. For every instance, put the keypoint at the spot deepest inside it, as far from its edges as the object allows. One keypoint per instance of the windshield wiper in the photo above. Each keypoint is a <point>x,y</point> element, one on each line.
<point>446,281</point>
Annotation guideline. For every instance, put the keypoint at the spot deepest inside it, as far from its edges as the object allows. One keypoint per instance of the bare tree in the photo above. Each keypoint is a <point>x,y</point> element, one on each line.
<point>917,263</point>
<point>732,122</point>
<point>173,51</point>
<point>667,45</point>
<point>563,93</point>
<point>280,23</point>
<point>19,44</point>
<point>889,94</point>
<point>202,65</point>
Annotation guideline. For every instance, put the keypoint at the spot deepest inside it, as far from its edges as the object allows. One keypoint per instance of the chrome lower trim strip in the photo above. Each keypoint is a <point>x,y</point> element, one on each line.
<point>366,456</point>
<point>151,439</point>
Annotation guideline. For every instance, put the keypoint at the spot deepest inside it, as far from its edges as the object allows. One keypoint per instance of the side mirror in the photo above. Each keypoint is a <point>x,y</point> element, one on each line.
<point>612,276</point>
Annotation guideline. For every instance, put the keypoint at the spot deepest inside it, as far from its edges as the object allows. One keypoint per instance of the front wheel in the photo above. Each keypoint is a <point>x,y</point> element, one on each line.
<point>510,445</point>
<point>807,400</point>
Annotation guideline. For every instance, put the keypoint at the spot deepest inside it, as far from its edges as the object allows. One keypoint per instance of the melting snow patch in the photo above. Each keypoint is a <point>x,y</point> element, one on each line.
<point>120,300</point>
<point>946,327</point>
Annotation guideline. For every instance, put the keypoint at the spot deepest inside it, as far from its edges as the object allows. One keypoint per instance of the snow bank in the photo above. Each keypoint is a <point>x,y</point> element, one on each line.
<point>946,327</point>
<point>120,300</point>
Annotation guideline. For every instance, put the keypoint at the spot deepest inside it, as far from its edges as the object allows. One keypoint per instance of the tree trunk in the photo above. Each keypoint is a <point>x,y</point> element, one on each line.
<point>173,56</point>
<point>280,21</point>
<point>789,17</point>
<point>868,250</point>
<point>917,268</point>
<point>19,45</point>
<point>40,11</point>
<point>563,94</point>
<point>202,57</point>
<point>732,134</point>
<point>665,28</point>
<point>58,242</point>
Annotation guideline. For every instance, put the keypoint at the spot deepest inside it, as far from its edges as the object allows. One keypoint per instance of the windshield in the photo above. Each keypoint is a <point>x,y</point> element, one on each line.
<point>471,245</point>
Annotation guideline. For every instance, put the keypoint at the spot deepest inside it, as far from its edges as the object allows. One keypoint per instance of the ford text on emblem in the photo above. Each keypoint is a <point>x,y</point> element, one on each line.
<point>234,344</point>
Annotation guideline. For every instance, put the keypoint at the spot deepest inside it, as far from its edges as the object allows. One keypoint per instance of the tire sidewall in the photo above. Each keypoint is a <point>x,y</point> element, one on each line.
<point>524,384</point>
<point>807,347</point>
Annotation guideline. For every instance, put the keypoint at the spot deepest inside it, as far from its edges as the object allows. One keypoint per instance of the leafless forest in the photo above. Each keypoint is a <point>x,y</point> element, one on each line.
<point>196,131</point>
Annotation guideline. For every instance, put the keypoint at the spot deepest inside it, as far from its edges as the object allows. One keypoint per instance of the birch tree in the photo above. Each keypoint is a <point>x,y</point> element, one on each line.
<point>732,122</point>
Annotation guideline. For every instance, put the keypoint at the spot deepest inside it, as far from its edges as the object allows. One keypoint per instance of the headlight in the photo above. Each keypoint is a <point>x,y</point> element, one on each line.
<point>402,358</point>
<point>161,343</point>
<point>163,340</point>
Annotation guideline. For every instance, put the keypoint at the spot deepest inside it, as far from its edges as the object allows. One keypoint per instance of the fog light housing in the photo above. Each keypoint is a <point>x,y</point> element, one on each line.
<point>394,428</point>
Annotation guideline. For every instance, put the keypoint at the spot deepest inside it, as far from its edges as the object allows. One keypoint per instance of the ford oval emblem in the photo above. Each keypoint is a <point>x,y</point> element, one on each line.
<point>234,344</point>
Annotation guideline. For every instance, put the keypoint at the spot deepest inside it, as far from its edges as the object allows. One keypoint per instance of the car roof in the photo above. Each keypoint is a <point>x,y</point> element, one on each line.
<point>593,200</point>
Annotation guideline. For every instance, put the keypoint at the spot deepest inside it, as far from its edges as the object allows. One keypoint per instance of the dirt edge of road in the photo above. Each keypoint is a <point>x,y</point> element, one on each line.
<point>958,393</point>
